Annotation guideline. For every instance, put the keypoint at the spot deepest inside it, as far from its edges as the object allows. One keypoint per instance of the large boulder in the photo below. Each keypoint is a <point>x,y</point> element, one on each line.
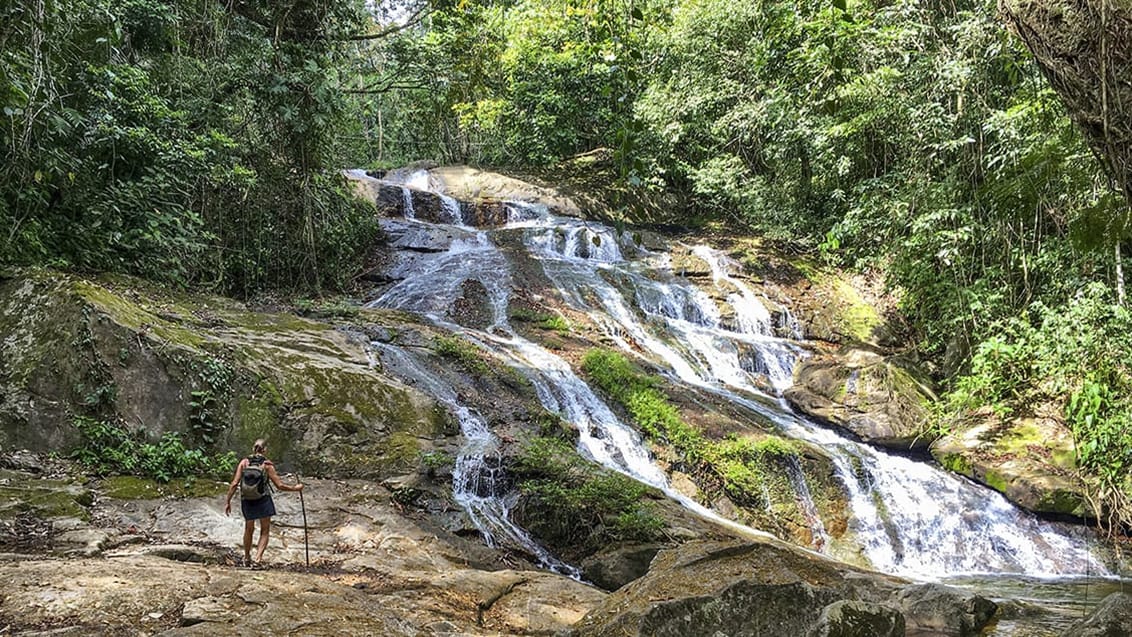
<point>944,610</point>
<point>881,400</point>
<point>120,350</point>
<point>616,566</point>
<point>1112,618</point>
<point>1032,461</point>
<point>735,588</point>
<point>858,619</point>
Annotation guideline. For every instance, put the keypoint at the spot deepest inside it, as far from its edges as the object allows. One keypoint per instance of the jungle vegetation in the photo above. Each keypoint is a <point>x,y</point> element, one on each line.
<point>199,143</point>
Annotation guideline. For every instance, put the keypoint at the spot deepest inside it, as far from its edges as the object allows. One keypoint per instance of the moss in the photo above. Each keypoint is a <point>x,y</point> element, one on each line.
<point>956,463</point>
<point>996,481</point>
<point>402,449</point>
<point>135,488</point>
<point>138,318</point>
<point>461,351</point>
<point>46,498</point>
<point>1063,501</point>
<point>1024,437</point>
<point>258,414</point>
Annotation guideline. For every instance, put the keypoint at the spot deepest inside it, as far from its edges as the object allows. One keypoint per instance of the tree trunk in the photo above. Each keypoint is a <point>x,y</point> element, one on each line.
<point>1084,49</point>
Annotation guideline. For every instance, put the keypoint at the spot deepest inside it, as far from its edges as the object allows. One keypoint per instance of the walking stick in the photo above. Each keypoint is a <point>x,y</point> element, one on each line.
<point>306,538</point>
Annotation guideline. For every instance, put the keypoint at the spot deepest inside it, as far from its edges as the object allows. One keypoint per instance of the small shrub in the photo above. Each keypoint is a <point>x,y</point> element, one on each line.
<point>461,351</point>
<point>434,461</point>
<point>572,502</point>
<point>109,448</point>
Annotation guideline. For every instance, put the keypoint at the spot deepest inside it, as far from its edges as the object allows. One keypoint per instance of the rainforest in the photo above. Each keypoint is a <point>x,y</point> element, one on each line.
<point>570,314</point>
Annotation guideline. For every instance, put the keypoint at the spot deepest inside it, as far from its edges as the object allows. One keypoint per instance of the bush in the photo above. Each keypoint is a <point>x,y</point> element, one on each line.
<point>109,448</point>
<point>1075,358</point>
<point>574,503</point>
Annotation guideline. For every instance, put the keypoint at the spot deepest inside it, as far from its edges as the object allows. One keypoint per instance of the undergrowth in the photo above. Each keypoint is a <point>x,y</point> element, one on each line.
<point>109,448</point>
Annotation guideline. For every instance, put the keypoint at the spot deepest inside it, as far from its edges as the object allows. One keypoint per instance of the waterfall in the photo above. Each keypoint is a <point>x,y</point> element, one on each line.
<point>907,517</point>
<point>407,198</point>
<point>479,484</point>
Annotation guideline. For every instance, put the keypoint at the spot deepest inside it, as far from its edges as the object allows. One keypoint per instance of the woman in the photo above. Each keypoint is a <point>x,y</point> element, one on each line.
<point>255,497</point>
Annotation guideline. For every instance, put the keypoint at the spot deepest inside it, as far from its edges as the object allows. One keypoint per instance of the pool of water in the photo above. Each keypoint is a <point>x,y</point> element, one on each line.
<point>1040,607</point>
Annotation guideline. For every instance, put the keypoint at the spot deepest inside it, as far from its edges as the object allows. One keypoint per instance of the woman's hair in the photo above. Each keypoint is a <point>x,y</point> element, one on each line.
<point>260,446</point>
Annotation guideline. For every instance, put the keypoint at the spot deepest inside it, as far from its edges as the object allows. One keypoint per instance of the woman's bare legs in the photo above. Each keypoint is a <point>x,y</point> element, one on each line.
<point>249,528</point>
<point>264,533</point>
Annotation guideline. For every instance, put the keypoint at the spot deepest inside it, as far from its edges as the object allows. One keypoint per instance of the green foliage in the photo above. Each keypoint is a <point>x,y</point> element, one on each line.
<point>110,448</point>
<point>510,83</point>
<point>434,461</point>
<point>638,392</point>
<point>326,308</point>
<point>190,142</point>
<point>543,320</point>
<point>1072,357</point>
<point>572,502</point>
<point>457,349</point>
<point>207,418</point>
<point>739,464</point>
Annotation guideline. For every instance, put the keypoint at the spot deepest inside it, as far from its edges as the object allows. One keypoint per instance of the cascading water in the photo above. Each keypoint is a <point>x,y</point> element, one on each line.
<point>907,517</point>
<point>479,483</point>
<point>933,522</point>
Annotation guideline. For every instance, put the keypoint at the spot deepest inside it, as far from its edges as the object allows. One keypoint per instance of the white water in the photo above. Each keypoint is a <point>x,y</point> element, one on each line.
<point>479,483</point>
<point>935,524</point>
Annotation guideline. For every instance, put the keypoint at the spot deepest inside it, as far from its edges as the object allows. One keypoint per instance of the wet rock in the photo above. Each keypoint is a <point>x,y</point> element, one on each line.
<point>858,619</point>
<point>944,610</point>
<point>689,265</point>
<point>1112,618</point>
<point>1032,461</point>
<point>737,588</point>
<point>880,399</point>
<point>484,214</point>
<point>615,567</point>
<point>473,307</point>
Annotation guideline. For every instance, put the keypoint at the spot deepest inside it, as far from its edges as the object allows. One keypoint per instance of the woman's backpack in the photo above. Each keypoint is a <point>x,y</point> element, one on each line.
<point>253,485</point>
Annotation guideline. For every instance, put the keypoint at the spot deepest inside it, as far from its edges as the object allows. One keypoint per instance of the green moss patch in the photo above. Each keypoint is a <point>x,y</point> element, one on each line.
<point>135,488</point>
<point>576,505</point>
<point>751,470</point>
<point>46,499</point>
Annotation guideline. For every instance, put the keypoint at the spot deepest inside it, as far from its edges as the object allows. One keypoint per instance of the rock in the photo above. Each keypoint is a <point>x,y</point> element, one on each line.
<point>183,553</point>
<point>686,264</point>
<point>944,610</point>
<point>879,399</point>
<point>1112,618</point>
<point>144,352</point>
<point>1032,461</point>
<point>86,542</point>
<point>469,184</point>
<point>616,566</point>
<point>858,619</point>
<point>736,588</point>
<point>217,610</point>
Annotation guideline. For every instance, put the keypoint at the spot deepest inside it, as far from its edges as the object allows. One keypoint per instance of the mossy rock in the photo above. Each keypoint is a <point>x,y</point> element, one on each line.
<point>137,488</point>
<point>120,349</point>
<point>1031,461</point>
<point>882,400</point>
<point>46,499</point>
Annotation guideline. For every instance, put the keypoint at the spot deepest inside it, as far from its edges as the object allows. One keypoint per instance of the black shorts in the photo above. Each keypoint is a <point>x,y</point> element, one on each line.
<point>256,509</point>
